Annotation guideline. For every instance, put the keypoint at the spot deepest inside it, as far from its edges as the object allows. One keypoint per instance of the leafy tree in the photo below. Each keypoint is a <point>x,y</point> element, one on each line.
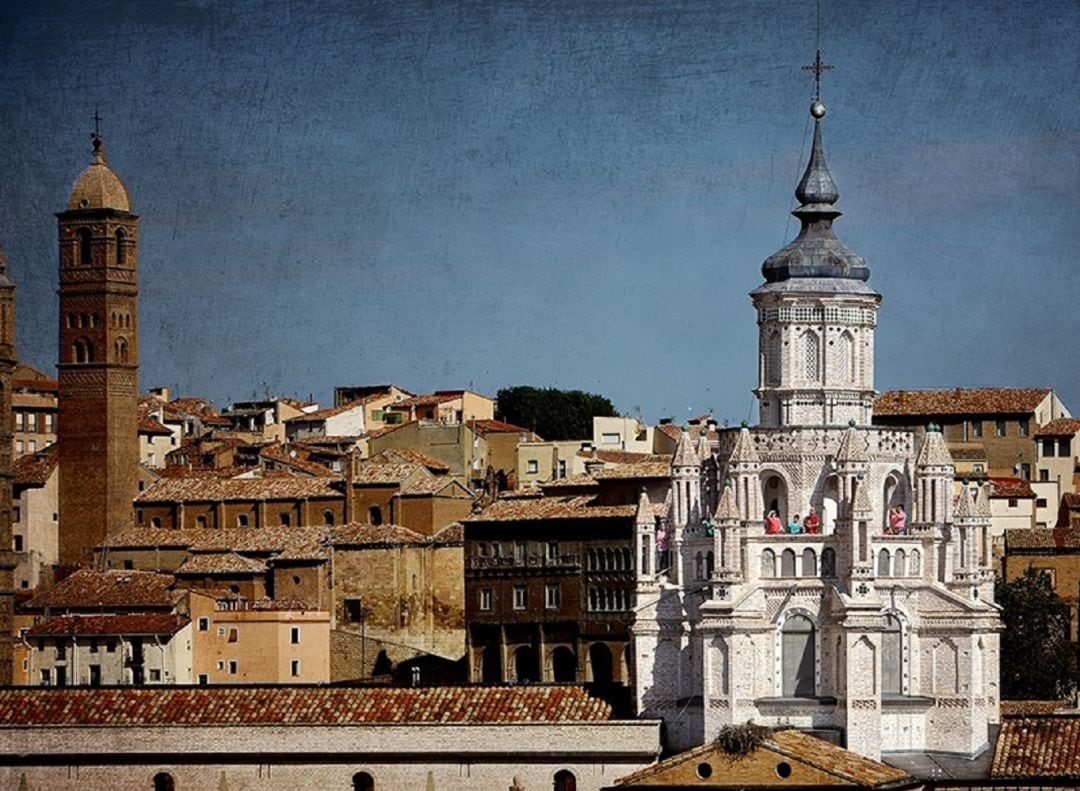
<point>1038,661</point>
<point>552,413</point>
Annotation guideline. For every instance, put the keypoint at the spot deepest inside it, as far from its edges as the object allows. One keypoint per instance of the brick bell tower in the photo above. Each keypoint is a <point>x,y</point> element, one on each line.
<point>7,555</point>
<point>97,425</point>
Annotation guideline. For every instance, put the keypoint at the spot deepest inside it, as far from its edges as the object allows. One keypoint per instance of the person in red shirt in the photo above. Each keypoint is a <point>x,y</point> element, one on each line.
<point>772,524</point>
<point>813,522</point>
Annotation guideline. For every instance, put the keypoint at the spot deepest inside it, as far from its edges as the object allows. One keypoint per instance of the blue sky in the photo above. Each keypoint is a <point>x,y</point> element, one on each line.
<point>568,193</point>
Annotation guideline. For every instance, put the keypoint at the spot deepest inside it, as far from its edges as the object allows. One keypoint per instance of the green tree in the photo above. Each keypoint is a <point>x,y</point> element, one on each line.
<point>1038,661</point>
<point>552,413</point>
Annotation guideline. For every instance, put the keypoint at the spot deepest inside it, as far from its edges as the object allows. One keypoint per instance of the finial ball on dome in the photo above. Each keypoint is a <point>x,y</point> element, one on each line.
<point>817,109</point>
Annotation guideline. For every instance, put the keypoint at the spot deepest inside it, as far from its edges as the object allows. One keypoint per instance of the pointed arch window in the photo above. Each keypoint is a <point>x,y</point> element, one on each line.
<point>883,563</point>
<point>768,563</point>
<point>810,356</point>
<point>846,359</point>
<point>83,351</point>
<point>916,563</point>
<point>85,254</point>
<point>900,564</point>
<point>787,563</point>
<point>121,247</point>
<point>121,350</point>
<point>799,657</point>
<point>892,668</point>
<point>809,563</point>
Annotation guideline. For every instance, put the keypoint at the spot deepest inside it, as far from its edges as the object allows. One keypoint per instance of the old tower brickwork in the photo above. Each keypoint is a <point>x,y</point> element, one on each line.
<point>7,555</point>
<point>98,360</point>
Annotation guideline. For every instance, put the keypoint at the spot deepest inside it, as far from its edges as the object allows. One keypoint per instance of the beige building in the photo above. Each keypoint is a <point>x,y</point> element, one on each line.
<point>34,408</point>
<point>447,407</point>
<point>267,642</point>
<point>34,518</point>
<point>376,400</point>
<point>1057,460</point>
<point>95,650</point>
<point>346,420</point>
<point>265,419</point>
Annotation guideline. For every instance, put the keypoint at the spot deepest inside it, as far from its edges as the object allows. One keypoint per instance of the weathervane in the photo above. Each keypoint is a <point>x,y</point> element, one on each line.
<point>817,68</point>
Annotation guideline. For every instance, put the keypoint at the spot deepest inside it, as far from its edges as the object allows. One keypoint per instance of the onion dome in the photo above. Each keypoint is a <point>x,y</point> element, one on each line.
<point>98,187</point>
<point>815,252</point>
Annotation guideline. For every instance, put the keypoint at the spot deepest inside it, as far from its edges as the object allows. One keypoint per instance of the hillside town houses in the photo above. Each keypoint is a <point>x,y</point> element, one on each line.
<point>408,588</point>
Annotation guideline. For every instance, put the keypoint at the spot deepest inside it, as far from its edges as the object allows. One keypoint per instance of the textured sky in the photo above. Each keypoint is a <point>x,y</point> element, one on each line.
<point>574,193</point>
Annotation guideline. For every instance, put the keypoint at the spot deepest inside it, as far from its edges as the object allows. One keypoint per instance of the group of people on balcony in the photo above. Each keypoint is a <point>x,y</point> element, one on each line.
<point>812,525</point>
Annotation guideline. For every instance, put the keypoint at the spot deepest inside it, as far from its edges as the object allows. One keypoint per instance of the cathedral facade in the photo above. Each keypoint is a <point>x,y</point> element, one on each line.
<point>815,570</point>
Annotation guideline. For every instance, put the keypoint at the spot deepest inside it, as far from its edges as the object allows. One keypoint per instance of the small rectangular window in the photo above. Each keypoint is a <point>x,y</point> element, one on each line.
<point>552,597</point>
<point>976,428</point>
<point>233,667</point>
<point>110,647</point>
<point>520,549</point>
<point>204,623</point>
<point>1048,446</point>
<point>1013,502</point>
<point>221,664</point>
<point>1022,428</point>
<point>294,635</point>
<point>93,645</point>
<point>221,631</point>
<point>31,422</point>
<point>1025,472</point>
<point>562,468</point>
<point>999,428</point>
<point>611,439</point>
<point>155,675</point>
<point>19,421</point>
<point>552,551</point>
<point>17,511</point>
<point>234,635</point>
<point>376,414</point>
<point>1040,502</point>
<point>18,542</point>
<point>294,667</point>
<point>487,598</point>
<point>285,518</point>
<point>204,679</point>
<point>521,597</point>
<point>532,466</point>
<point>1064,447</point>
<point>1044,474</point>
<point>1051,575</point>
<point>46,677</point>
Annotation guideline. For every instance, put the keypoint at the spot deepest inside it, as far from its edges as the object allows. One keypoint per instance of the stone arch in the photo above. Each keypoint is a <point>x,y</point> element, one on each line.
<point>845,358</point>
<point>163,781</point>
<point>121,247</point>
<point>884,564</point>
<point>83,350</point>
<point>787,563</point>
<point>564,781</point>
<point>828,562</point>
<point>798,652</point>
<point>893,493</point>
<point>362,781</point>
<point>768,563</point>
<point>563,664</point>
<point>900,563</point>
<point>809,563</point>
<point>526,665</point>
<point>491,665</point>
<point>915,563</point>
<point>600,663</point>
<point>120,350</point>
<point>774,492</point>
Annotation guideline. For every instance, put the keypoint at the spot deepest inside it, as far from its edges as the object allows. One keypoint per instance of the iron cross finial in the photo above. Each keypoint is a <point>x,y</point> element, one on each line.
<point>817,68</point>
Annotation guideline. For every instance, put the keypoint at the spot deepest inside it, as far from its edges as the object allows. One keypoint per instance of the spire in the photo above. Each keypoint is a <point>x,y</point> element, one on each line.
<point>645,514</point>
<point>817,189</point>
<point>685,454</point>
<point>861,502</point>
<point>852,447</point>
<point>727,508</point>
<point>704,452</point>
<point>744,451</point>
<point>982,500</point>
<point>933,452</point>
<point>965,505</point>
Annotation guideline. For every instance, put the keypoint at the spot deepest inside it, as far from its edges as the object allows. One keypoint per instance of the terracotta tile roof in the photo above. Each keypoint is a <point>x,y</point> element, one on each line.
<point>436,485</point>
<point>35,469</point>
<point>642,469</point>
<point>277,540</point>
<point>118,589</point>
<point>484,427</point>
<point>453,533</point>
<point>194,406</point>
<point>1062,427</point>
<point>35,385</point>
<point>619,456</point>
<point>407,455</point>
<point>967,452</point>
<point>220,563</point>
<point>278,455</point>
<point>385,473</point>
<point>357,534</point>
<point>208,705</point>
<point>1041,538</point>
<point>367,391</point>
<point>1011,487</point>
<point>150,425</point>
<point>173,490</point>
<point>327,439</point>
<point>323,414</point>
<point>974,401</point>
<point>1038,747</point>
<point>132,623</point>
<point>378,432</point>
<point>571,481</point>
<point>1015,708</point>
<point>428,399</point>
<point>199,471</point>
<point>515,509</point>
<point>847,767</point>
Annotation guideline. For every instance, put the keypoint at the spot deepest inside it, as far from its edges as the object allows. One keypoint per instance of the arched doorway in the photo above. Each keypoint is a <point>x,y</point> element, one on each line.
<point>526,665</point>
<point>600,663</point>
<point>799,655</point>
<point>565,781</point>
<point>563,665</point>
<point>163,781</point>
<point>362,781</point>
<point>491,665</point>
<point>774,495</point>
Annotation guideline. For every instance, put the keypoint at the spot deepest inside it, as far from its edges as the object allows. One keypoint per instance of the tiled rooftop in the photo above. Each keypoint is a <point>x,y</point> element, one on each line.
<point>35,469</point>
<point>1039,747</point>
<point>323,414</point>
<point>407,455</point>
<point>1011,487</point>
<point>1040,538</point>
<point>643,469</point>
<point>220,563</point>
<point>1062,427</point>
<point>278,455</point>
<point>262,541</point>
<point>129,624</point>
<point>172,490</point>
<point>360,534</point>
<point>207,705</point>
<point>848,768</point>
<point>484,427</point>
<point>514,509</point>
<point>387,473</point>
<point>974,401</point>
<point>119,589</point>
<point>1013,708</point>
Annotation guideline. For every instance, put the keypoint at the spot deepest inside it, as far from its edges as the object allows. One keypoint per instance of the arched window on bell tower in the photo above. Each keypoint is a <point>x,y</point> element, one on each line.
<point>121,249</point>
<point>85,256</point>
<point>121,348</point>
<point>83,351</point>
<point>810,354</point>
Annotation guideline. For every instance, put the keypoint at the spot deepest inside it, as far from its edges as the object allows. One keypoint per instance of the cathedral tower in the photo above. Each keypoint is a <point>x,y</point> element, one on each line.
<point>8,358</point>
<point>816,316</point>
<point>97,425</point>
